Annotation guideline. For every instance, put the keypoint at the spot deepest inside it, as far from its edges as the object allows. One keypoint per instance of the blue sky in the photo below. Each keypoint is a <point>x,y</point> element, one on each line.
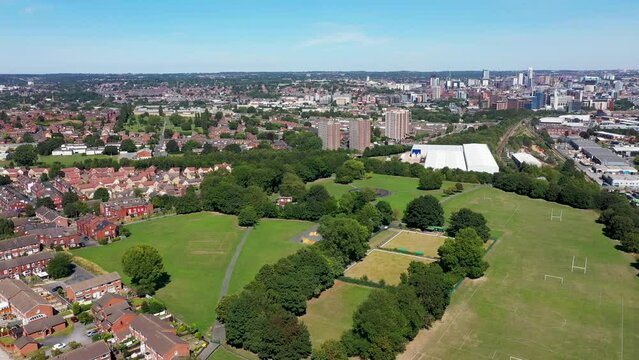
<point>267,35</point>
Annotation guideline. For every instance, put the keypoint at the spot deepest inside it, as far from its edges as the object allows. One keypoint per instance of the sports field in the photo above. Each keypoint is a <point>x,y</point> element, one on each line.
<point>70,159</point>
<point>416,242</point>
<point>268,242</point>
<point>196,249</point>
<point>403,189</point>
<point>512,312</point>
<point>382,265</point>
<point>328,316</point>
<point>382,237</point>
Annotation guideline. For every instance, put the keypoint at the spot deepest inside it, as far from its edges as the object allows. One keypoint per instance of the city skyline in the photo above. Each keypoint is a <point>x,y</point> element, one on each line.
<point>171,37</point>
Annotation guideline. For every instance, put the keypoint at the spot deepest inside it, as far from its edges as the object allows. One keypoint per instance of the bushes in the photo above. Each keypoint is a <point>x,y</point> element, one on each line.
<point>463,255</point>
<point>466,218</point>
<point>423,212</point>
<point>430,181</point>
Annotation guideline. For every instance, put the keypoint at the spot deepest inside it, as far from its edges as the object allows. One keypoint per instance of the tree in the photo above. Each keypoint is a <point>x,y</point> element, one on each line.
<point>28,138</point>
<point>160,111</point>
<point>190,145</point>
<point>630,242</point>
<point>370,217</point>
<point>248,216</point>
<point>46,202</point>
<point>430,180</point>
<point>423,212</point>
<point>29,211</point>
<point>25,155</point>
<point>110,150</point>
<point>172,147</point>
<point>343,238</point>
<point>330,350</point>
<point>168,133</point>
<point>102,194</point>
<point>189,203</point>
<point>69,197</point>
<point>5,180</point>
<point>463,255</point>
<point>236,148</point>
<point>128,146</point>
<point>432,286</point>
<point>349,171</point>
<point>85,318</point>
<point>143,264</point>
<point>292,186</point>
<point>466,218</point>
<point>60,266</point>
<point>386,211</point>
<point>6,227</point>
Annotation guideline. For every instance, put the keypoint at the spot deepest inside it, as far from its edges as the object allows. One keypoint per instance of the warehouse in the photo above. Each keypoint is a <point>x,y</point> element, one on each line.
<point>525,158</point>
<point>467,157</point>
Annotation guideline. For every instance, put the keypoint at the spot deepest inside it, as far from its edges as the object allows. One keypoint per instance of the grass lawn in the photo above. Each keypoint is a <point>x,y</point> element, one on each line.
<point>196,249</point>
<point>415,242</point>
<point>268,242</point>
<point>382,265</point>
<point>403,189</point>
<point>70,159</point>
<point>513,311</point>
<point>328,316</point>
<point>381,237</point>
<point>223,354</point>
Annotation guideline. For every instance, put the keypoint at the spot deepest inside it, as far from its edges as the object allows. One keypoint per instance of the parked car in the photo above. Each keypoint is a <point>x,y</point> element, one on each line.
<point>59,346</point>
<point>91,332</point>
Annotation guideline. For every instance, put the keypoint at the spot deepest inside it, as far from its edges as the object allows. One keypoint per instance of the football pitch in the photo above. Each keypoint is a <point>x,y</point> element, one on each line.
<point>383,265</point>
<point>532,303</point>
<point>416,242</point>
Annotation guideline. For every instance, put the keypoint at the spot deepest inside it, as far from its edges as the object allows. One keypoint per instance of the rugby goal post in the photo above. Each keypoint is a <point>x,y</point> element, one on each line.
<point>556,217</point>
<point>573,266</point>
<point>560,278</point>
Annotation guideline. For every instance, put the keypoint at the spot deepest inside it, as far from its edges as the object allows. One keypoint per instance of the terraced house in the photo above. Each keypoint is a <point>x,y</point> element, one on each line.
<point>18,299</point>
<point>20,246</point>
<point>94,288</point>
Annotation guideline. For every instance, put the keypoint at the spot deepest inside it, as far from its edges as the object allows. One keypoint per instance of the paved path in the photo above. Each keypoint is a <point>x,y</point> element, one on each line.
<point>218,333</point>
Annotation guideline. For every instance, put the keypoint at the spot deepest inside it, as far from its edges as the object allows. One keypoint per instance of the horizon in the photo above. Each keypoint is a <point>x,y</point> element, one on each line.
<point>164,37</point>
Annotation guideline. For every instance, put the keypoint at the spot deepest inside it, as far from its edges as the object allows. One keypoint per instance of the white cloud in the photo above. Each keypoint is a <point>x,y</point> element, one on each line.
<point>28,10</point>
<point>336,34</point>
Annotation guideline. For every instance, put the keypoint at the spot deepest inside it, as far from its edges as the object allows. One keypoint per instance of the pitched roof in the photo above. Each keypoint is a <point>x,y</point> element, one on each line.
<point>95,281</point>
<point>15,243</point>
<point>47,214</point>
<point>88,352</point>
<point>24,341</point>
<point>23,260</point>
<point>43,324</point>
<point>20,295</point>
<point>160,335</point>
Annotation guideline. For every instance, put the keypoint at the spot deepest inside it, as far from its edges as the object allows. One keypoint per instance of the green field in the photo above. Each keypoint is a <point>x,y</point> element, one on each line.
<point>328,316</point>
<point>196,249</point>
<point>383,265</point>
<point>403,189</point>
<point>416,242</point>
<point>513,311</point>
<point>268,242</point>
<point>71,159</point>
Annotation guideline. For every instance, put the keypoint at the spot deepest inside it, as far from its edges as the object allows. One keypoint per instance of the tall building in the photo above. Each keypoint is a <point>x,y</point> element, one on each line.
<point>329,133</point>
<point>531,81</point>
<point>539,100</point>
<point>436,92</point>
<point>485,74</point>
<point>397,124</point>
<point>359,134</point>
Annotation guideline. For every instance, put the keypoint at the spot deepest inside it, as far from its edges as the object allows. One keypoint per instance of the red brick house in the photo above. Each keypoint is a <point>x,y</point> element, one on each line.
<point>125,208</point>
<point>113,314</point>
<point>158,339</point>
<point>20,300</point>
<point>47,216</point>
<point>44,327</point>
<point>97,227</point>
<point>94,288</point>
<point>25,265</point>
<point>95,351</point>
<point>19,246</point>
<point>12,199</point>
<point>57,236</point>
<point>25,345</point>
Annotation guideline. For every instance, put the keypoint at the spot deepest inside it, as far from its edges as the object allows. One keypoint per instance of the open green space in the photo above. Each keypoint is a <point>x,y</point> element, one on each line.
<point>402,189</point>
<point>383,265</point>
<point>328,316</point>
<point>70,159</point>
<point>223,354</point>
<point>416,242</point>
<point>268,242</point>
<point>382,237</point>
<point>196,249</point>
<point>514,312</point>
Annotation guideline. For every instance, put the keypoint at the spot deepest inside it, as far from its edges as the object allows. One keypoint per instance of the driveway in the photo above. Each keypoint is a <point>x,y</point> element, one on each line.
<point>79,334</point>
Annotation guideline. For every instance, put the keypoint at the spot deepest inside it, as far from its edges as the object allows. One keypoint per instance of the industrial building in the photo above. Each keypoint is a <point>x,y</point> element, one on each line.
<point>467,157</point>
<point>595,152</point>
<point>525,158</point>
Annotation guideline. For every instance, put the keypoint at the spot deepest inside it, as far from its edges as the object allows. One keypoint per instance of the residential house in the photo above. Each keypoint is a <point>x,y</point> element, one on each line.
<point>44,327</point>
<point>95,287</point>
<point>25,265</point>
<point>25,345</point>
<point>18,299</point>
<point>47,215</point>
<point>158,338</point>
<point>19,246</point>
<point>97,227</point>
<point>95,351</point>
<point>120,209</point>
<point>12,199</point>
<point>67,237</point>
<point>113,314</point>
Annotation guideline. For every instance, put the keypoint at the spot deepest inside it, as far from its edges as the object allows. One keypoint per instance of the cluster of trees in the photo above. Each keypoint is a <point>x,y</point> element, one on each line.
<point>568,186</point>
<point>349,171</point>
<point>263,317</point>
<point>143,264</point>
<point>72,206</point>
<point>6,228</point>
<point>423,212</point>
<point>385,150</point>
<point>60,266</point>
<point>398,168</point>
<point>443,116</point>
<point>620,219</point>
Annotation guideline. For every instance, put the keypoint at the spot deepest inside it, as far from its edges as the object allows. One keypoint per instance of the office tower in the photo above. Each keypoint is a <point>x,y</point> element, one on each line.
<point>397,124</point>
<point>539,100</point>
<point>531,81</point>
<point>485,74</point>
<point>436,92</point>
<point>359,134</point>
<point>329,133</point>
<point>520,79</point>
<point>434,81</point>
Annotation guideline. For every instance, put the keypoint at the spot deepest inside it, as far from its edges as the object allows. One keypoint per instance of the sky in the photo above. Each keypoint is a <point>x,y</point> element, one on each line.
<point>112,36</point>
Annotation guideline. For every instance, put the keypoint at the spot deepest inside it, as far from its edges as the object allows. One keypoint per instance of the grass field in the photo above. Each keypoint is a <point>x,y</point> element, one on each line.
<point>403,189</point>
<point>382,265</point>
<point>328,316</point>
<point>512,311</point>
<point>196,249</point>
<point>415,242</point>
<point>223,354</point>
<point>382,236</point>
<point>268,242</point>
<point>71,159</point>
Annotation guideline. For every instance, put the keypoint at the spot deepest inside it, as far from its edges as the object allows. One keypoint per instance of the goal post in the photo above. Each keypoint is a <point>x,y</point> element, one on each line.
<point>556,216</point>
<point>573,266</point>
<point>560,278</point>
